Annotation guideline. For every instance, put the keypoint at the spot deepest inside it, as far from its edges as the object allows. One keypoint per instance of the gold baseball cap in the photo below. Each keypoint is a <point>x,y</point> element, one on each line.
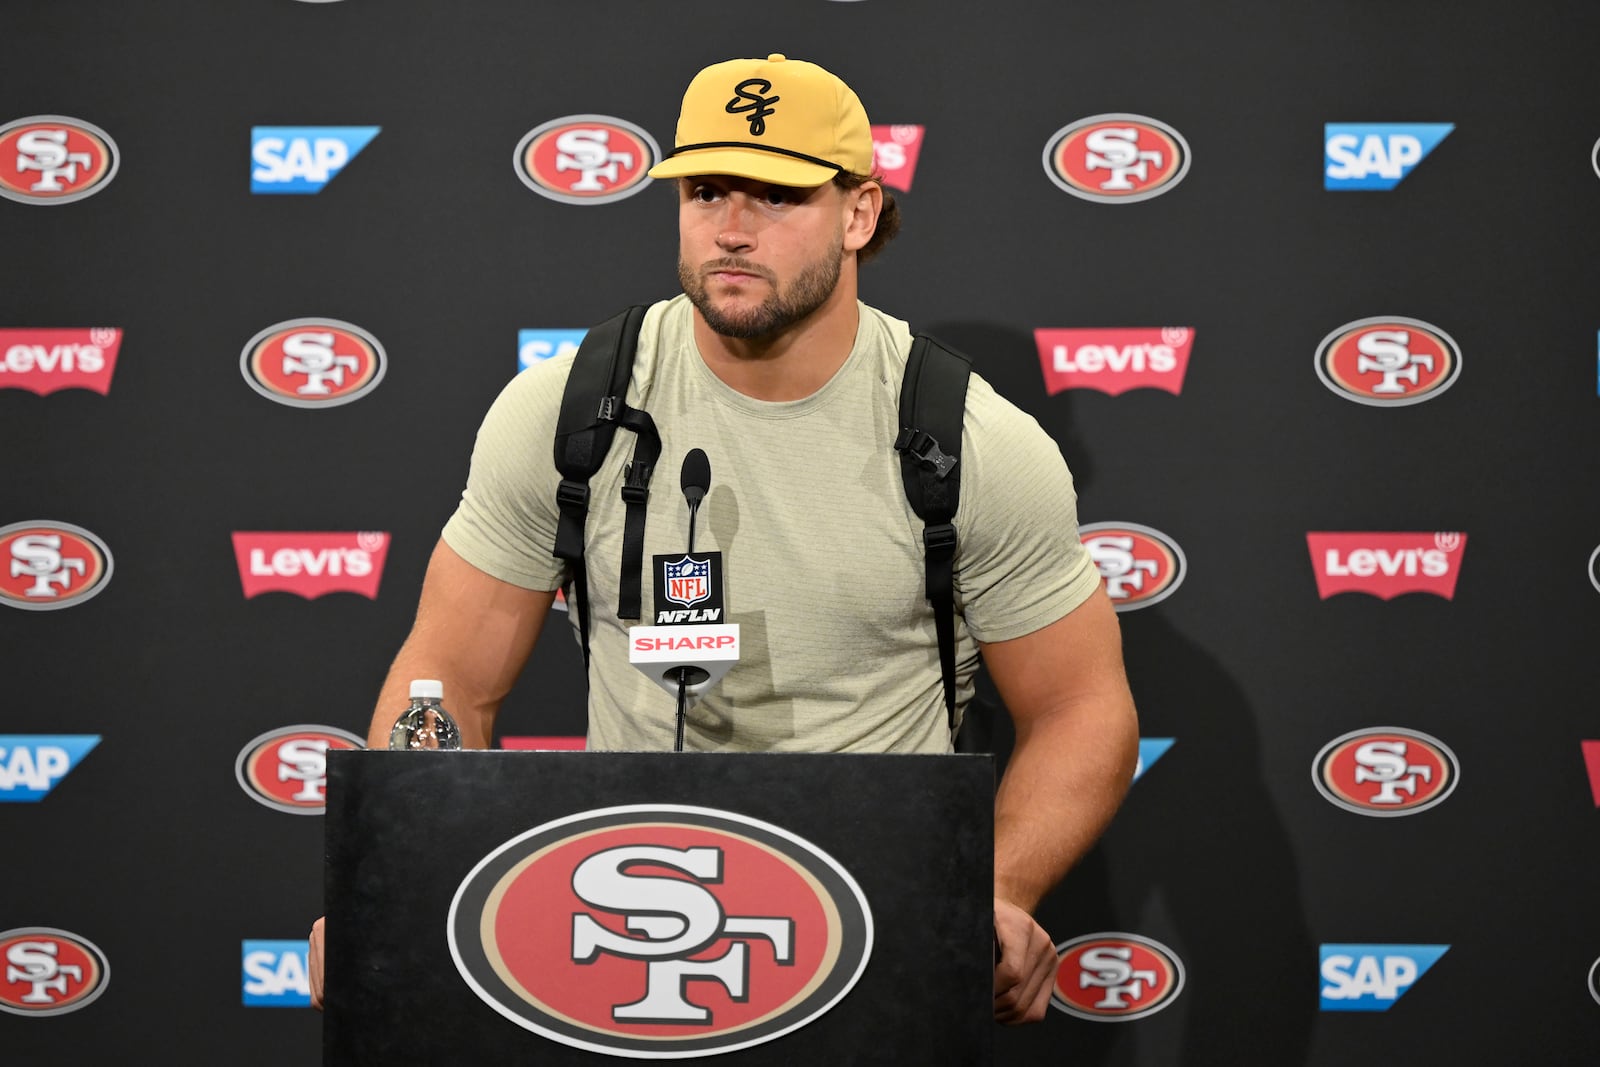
<point>776,120</point>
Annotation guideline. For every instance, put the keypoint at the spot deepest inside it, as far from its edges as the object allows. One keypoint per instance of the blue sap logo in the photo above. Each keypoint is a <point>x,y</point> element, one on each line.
<point>1372,977</point>
<point>32,764</point>
<point>1150,750</point>
<point>302,159</point>
<point>536,346</point>
<point>1376,156</point>
<point>276,975</point>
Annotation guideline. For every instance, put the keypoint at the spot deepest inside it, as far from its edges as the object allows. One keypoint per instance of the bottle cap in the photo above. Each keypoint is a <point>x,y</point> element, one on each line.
<point>427,689</point>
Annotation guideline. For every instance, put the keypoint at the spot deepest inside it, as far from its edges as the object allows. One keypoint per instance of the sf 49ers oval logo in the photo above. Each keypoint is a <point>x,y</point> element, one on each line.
<point>660,931</point>
<point>51,159</point>
<point>1111,977</point>
<point>47,565</point>
<point>48,971</point>
<point>586,159</point>
<point>1385,771</point>
<point>1116,158</point>
<point>313,363</point>
<point>1140,566</point>
<point>1388,361</point>
<point>287,769</point>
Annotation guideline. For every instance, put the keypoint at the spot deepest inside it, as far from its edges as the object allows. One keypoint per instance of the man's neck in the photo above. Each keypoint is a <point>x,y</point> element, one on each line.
<point>791,364</point>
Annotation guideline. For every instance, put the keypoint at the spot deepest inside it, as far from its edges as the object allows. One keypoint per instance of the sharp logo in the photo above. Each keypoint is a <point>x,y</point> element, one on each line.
<point>46,566</point>
<point>1140,566</point>
<point>1388,362</point>
<point>1387,565</point>
<point>313,363</point>
<point>1372,977</point>
<point>302,159</point>
<point>33,764</point>
<point>1114,361</point>
<point>51,159</point>
<point>1376,156</point>
<point>894,153</point>
<point>1150,750</point>
<point>1385,772</point>
<point>1116,158</point>
<point>49,971</point>
<point>660,931</point>
<point>1114,977</point>
<point>287,769</point>
<point>276,974</point>
<point>537,346</point>
<point>586,159</point>
<point>43,361</point>
<point>310,564</point>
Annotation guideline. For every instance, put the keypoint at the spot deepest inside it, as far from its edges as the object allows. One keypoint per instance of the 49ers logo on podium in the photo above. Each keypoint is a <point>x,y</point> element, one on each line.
<point>1116,158</point>
<point>660,931</point>
<point>1388,362</point>
<point>1140,566</point>
<point>313,363</point>
<point>1385,771</point>
<point>287,769</point>
<point>51,159</point>
<point>47,565</point>
<point>586,159</point>
<point>49,972</point>
<point>1113,977</point>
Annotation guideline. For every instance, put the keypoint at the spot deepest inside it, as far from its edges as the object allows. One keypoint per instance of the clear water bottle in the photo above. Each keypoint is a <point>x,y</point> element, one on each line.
<point>425,723</point>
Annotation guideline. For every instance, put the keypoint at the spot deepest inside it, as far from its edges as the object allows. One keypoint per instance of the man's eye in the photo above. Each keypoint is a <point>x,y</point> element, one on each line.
<point>703,194</point>
<point>778,197</point>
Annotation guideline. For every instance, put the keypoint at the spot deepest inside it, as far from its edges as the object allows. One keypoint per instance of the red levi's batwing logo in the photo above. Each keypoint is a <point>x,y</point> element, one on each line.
<point>42,361</point>
<point>310,564</point>
<point>1114,360</point>
<point>660,931</point>
<point>894,152</point>
<point>1591,760</point>
<point>1387,565</point>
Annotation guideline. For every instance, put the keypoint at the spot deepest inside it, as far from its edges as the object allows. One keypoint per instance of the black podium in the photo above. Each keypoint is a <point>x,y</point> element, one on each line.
<point>574,907</point>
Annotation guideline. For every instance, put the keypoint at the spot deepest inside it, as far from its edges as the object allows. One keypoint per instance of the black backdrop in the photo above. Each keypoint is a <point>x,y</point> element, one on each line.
<point>1224,851</point>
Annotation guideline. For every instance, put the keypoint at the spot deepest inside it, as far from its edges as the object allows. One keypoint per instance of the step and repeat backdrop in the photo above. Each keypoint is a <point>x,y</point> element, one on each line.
<point>1307,294</point>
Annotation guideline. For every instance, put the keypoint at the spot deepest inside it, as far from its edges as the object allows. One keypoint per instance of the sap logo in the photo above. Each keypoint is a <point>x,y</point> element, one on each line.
<point>536,346</point>
<point>1376,156</point>
<point>302,159</point>
<point>1150,750</point>
<point>32,764</point>
<point>1373,977</point>
<point>275,975</point>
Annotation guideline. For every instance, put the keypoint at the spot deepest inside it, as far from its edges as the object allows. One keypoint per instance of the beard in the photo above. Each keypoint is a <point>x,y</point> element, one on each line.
<point>784,305</point>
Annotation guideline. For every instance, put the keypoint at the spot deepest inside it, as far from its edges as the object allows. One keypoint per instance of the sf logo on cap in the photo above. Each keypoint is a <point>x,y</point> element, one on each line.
<point>759,106</point>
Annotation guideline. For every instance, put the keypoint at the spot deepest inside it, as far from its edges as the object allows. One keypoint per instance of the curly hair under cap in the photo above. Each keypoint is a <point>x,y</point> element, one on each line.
<point>888,218</point>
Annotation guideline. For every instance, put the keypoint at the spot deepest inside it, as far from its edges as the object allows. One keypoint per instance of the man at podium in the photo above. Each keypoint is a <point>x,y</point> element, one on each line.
<point>791,387</point>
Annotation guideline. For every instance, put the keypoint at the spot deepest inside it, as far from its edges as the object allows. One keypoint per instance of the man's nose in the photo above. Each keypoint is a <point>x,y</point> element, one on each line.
<point>736,233</point>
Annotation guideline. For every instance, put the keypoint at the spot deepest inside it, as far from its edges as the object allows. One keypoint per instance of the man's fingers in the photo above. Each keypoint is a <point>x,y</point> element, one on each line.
<point>1025,967</point>
<point>314,963</point>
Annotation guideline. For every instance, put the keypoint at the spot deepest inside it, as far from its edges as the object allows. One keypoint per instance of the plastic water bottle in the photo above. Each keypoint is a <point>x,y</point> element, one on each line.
<point>425,723</point>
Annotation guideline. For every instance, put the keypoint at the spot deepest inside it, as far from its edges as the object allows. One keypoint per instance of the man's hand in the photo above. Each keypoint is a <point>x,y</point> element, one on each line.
<point>314,963</point>
<point>1026,969</point>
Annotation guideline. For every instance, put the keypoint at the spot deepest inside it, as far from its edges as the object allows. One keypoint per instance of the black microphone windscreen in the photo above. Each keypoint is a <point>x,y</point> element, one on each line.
<point>696,477</point>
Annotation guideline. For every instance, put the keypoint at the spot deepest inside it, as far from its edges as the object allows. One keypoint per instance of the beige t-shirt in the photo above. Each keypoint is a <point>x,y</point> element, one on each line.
<point>822,554</point>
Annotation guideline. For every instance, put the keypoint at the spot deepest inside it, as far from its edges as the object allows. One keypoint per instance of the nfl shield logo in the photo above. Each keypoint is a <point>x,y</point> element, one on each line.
<point>688,581</point>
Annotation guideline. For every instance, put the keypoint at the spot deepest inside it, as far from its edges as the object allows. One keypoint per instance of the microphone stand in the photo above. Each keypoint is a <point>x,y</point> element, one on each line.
<point>683,672</point>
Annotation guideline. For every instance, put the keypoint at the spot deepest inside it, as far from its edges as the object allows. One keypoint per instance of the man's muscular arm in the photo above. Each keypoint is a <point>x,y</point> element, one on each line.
<point>1077,740</point>
<point>474,633</point>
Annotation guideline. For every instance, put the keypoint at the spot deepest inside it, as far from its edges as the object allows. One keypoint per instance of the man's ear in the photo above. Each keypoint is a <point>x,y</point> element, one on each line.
<point>862,205</point>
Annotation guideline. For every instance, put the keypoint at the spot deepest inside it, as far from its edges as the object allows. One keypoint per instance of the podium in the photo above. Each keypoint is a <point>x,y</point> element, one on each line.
<point>578,907</point>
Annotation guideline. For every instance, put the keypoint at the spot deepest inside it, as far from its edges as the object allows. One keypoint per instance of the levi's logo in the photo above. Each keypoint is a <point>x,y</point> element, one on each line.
<point>586,159</point>
<point>1387,565</point>
<point>310,564</point>
<point>50,159</point>
<point>1591,760</point>
<point>1114,360</point>
<point>42,361</point>
<point>894,152</point>
<point>660,931</point>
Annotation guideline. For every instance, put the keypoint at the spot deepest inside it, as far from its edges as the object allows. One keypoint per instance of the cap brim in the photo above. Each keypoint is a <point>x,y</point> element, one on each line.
<point>745,163</point>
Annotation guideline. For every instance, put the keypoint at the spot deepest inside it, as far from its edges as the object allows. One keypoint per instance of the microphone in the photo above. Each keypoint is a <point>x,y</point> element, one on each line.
<point>690,648</point>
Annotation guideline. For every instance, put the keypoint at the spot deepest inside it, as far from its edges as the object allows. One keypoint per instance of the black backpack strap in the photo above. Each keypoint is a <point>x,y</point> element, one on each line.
<point>933,401</point>
<point>592,407</point>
